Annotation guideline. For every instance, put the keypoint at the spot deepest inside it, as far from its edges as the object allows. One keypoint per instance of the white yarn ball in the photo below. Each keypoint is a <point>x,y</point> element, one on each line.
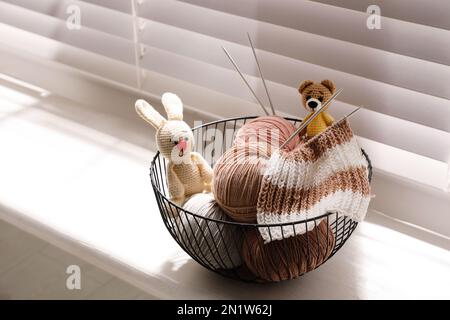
<point>216,244</point>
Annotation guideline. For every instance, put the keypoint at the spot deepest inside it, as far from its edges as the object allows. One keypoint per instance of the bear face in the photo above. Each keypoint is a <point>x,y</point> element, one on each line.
<point>314,94</point>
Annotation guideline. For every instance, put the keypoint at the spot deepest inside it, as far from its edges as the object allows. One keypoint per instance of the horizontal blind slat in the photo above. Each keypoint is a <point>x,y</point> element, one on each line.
<point>402,103</point>
<point>118,5</point>
<point>405,164</point>
<point>403,71</point>
<point>433,13</point>
<point>111,21</point>
<point>399,73</point>
<point>52,28</point>
<point>46,49</point>
<point>394,132</point>
<point>372,125</point>
<point>397,36</point>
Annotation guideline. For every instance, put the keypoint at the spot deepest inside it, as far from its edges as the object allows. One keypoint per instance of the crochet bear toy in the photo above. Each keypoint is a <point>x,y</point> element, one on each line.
<point>314,94</point>
<point>187,172</point>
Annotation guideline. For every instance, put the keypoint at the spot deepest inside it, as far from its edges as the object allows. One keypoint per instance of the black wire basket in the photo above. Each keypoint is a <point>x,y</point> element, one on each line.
<point>207,240</point>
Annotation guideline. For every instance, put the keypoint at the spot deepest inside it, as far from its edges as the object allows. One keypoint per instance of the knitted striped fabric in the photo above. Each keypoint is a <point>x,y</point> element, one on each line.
<point>328,173</point>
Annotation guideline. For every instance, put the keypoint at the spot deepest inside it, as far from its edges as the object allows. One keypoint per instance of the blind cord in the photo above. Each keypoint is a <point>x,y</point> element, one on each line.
<point>137,46</point>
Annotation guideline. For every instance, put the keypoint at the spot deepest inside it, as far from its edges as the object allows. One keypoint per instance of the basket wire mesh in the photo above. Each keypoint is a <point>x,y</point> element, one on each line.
<point>209,247</point>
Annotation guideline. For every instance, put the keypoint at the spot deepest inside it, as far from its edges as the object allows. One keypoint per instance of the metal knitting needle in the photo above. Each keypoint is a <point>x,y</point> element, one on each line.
<point>260,74</point>
<point>351,113</point>
<point>245,80</point>
<point>314,115</point>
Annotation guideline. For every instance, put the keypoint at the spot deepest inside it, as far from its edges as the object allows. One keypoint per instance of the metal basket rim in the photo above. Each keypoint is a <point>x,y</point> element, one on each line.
<point>247,224</point>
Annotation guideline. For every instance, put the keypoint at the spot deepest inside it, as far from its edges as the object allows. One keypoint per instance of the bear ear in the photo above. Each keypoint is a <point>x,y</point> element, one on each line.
<point>329,85</point>
<point>304,85</point>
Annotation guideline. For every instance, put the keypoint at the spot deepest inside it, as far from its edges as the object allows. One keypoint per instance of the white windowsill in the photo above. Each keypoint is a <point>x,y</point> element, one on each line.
<point>77,176</point>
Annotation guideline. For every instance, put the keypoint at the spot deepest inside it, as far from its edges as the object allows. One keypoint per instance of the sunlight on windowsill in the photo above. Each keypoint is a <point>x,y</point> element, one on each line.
<point>84,183</point>
<point>94,188</point>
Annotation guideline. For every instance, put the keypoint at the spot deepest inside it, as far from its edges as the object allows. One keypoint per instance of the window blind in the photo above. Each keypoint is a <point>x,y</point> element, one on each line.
<point>399,74</point>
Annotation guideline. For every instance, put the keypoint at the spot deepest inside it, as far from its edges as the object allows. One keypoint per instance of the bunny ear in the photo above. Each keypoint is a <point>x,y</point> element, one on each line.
<point>173,105</point>
<point>149,114</point>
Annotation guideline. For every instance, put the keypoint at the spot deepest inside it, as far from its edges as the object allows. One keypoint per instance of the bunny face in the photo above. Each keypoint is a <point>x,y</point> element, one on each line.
<point>175,141</point>
<point>173,136</point>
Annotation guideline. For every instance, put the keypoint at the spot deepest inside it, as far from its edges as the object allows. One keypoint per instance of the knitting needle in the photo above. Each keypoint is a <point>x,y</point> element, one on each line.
<point>245,80</point>
<point>314,115</point>
<point>351,113</point>
<point>260,74</point>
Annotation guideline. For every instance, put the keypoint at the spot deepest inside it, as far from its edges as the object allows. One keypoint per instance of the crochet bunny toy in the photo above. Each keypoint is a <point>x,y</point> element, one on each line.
<point>313,95</point>
<point>187,172</point>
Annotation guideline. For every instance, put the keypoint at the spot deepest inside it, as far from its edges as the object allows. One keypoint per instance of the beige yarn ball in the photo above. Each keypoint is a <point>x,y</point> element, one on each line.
<point>236,182</point>
<point>237,174</point>
<point>218,245</point>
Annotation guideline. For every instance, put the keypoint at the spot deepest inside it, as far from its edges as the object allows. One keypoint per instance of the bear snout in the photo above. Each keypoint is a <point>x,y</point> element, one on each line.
<point>313,103</point>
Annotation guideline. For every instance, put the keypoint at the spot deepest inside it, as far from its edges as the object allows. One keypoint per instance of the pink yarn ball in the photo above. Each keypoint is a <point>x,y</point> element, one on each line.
<point>268,129</point>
